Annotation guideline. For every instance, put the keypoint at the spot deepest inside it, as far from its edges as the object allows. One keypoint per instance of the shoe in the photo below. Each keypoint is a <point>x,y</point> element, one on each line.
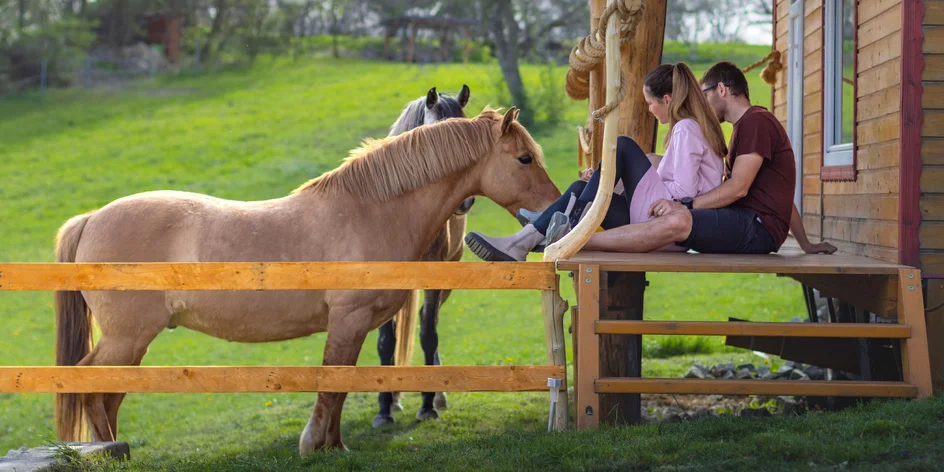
<point>526,217</point>
<point>514,248</point>
<point>557,229</point>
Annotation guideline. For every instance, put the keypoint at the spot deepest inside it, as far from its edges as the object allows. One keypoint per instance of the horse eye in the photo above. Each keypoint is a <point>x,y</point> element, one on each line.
<point>525,159</point>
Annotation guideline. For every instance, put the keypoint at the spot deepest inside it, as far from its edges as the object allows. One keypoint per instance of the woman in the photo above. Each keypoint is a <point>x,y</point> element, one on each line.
<point>692,165</point>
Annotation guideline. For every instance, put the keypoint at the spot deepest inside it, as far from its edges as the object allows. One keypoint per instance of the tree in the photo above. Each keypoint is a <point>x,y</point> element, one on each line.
<point>514,37</point>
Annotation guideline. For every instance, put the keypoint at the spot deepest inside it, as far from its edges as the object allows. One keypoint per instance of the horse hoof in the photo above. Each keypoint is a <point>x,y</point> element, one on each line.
<point>427,414</point>
<point>396,405</point>
<point>382,420</point>
<point>439,401</point>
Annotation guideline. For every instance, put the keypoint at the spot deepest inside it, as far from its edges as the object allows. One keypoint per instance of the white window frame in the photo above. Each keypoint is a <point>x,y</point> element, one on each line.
<point>833,154</point>
<point>795,56</point>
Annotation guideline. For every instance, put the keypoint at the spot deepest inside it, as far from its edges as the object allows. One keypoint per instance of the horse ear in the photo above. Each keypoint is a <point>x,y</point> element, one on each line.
<point>463,97</point>
<point>510,116</point>
<point>432,98</point>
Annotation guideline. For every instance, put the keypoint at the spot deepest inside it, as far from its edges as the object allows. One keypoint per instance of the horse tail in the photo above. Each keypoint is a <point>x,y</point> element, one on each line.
<point>405,322</point>
<point>73,334</point>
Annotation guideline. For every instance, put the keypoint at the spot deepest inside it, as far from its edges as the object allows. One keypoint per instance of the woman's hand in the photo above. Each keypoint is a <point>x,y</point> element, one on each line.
<point>664,207</point>
<point>586,174</point>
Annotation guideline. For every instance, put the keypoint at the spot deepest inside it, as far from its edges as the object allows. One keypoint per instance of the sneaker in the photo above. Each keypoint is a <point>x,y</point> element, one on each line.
<point>557,229</point>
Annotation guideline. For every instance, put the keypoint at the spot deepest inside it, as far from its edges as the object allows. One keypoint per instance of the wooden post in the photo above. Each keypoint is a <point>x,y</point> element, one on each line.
<point>554,308</point>
<point>640,56</point>
<point>621,355</point>
<point>916,368</point>
<point>588,346</point>
<point>935,324</point>
<point>412,44</point>
<point>597,89</point>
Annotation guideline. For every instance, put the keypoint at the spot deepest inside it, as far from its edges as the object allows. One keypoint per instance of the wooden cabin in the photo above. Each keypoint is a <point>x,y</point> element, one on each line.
<point>864,76</point>
<point>865,79</point>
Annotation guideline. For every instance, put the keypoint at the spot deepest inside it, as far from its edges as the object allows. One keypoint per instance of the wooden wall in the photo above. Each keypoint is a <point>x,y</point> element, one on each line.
<point>859,217</point>
<point>931,232</point>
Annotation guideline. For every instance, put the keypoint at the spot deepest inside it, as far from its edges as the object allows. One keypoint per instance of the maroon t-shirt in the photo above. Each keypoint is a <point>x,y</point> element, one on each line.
<point>771,194</point>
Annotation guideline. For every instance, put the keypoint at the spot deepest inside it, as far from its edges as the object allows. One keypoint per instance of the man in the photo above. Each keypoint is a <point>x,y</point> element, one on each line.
<point>750,212</point>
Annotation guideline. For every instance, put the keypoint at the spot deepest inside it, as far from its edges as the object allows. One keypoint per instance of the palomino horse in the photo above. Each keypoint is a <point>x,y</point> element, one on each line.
<point>417,179</point>
<point>398,334</point>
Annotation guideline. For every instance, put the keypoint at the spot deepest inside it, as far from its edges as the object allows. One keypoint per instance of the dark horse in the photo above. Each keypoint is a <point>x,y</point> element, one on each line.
<point>448,246</point>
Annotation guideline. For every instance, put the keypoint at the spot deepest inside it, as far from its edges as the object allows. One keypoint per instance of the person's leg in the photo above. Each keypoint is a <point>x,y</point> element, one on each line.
<point>644,237</point>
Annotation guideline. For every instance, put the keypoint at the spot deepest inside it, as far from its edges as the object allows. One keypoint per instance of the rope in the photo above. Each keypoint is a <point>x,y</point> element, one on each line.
<point>590,51</point>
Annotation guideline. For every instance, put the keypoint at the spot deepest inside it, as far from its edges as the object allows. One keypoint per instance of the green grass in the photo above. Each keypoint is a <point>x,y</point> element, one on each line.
<point>258,133</point>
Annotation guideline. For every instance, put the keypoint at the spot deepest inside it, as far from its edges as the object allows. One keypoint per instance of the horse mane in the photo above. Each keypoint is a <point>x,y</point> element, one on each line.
<point>382,169</point>
<point>411,117</point>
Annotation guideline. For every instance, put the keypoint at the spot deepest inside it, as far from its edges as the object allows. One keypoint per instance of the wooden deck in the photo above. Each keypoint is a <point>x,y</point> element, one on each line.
<point>790,260</point>
<point>609,323</point>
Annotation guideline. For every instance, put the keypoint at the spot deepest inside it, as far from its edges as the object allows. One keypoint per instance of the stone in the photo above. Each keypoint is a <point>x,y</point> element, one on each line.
<point>44,458</point>
<point>744,374</point>
<point>788,406</point>
<point>727,375</point>
<point>754,413</point>
<point>762,371</point>
<point>749,367</point>
<point>697,371</point>
<point>721,370</point>
<point>798,375</point>
<point>816,373</point>
<point>785,370</point>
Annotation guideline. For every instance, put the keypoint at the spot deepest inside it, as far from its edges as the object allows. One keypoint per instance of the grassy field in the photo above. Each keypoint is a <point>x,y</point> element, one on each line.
<point>258,133</point>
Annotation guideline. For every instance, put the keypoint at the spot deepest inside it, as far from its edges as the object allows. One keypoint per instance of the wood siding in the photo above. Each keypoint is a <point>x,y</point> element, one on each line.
<point>859,217</point>
<point>931,232</point>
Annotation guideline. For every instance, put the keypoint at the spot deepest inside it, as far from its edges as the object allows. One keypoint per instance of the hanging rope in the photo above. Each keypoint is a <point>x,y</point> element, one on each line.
<point>588,54</point>
<point>769,74</point>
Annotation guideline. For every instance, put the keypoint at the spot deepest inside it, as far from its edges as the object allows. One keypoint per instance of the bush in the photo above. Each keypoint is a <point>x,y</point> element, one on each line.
<point>62,44</point>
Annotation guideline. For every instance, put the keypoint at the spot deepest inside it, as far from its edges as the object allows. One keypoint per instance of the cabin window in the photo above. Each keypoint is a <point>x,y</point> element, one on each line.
<point>839,90</point>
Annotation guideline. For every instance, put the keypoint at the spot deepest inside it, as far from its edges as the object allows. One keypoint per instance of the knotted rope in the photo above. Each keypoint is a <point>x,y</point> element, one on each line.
<point>589,53</point>
<point>769,74</point>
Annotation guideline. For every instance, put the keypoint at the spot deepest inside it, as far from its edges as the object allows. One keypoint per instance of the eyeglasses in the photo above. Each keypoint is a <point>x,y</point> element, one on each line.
<point>705,90</point>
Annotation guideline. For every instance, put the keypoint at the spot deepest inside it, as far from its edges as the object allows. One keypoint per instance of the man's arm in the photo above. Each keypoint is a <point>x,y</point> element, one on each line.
<point>742,177</point>
<point>799,232</point>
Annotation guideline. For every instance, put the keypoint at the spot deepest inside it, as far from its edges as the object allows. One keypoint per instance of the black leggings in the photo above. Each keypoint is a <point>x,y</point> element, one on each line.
<point>631,165</point>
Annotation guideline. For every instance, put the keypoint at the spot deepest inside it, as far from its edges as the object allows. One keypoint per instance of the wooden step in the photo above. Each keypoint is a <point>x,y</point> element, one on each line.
<point>736,328</point>
<point>756,387</point>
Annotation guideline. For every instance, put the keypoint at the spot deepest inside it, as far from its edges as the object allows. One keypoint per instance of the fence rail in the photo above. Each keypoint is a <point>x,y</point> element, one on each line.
<point>204,379</point>
<point>280,276</point>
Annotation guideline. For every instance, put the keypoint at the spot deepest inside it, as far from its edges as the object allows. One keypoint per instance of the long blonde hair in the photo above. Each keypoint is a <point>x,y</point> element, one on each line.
<point>688,101</point>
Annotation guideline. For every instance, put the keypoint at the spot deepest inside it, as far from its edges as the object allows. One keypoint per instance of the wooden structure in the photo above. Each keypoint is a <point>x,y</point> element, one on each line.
<point>443,27</point>
<point>296,276</point>
<point>875,69</point>
<point>895,289</point>
<point>166,30</point>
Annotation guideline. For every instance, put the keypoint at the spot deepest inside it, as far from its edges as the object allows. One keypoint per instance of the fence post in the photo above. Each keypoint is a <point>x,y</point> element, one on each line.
<point>86,72</point>
<point>42,77</point>
<point>196,61</point>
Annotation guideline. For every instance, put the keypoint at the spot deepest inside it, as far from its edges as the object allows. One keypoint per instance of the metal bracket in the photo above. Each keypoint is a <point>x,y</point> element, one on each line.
<point>555,386</point>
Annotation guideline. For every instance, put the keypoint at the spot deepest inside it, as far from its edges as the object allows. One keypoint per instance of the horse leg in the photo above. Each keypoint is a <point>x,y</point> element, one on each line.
<point>439,400</point>
<point>113,401</point>
<point>102,408</point>
<point>345,339</point>
<point>430,341</point>
<point>386,342</point>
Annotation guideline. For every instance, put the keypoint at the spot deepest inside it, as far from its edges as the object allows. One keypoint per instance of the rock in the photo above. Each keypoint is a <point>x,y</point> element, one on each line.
<point>798,375</point>
<point>44,457</point>
<point>744,374</point>
<point>697,371</point>
<point>749,367</point>
<point>727,375</point>
<point>700,414</point>
<point>763,370</point>
<point>721,370</point>
<point>785,370</point>
<point>754,413</point>
<point>816,373</point>
<point>788,406</point>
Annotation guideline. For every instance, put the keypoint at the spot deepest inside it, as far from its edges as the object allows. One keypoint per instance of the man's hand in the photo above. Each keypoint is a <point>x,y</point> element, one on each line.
<point>819,248</point>
<point>586,174</point>
<point>664,207</point>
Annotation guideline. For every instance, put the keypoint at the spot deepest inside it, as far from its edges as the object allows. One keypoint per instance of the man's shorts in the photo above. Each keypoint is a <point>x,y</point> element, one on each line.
<point>728,231</point>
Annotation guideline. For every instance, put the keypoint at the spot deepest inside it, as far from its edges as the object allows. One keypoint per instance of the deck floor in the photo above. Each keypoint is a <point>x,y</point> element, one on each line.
<point>789,260</point>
